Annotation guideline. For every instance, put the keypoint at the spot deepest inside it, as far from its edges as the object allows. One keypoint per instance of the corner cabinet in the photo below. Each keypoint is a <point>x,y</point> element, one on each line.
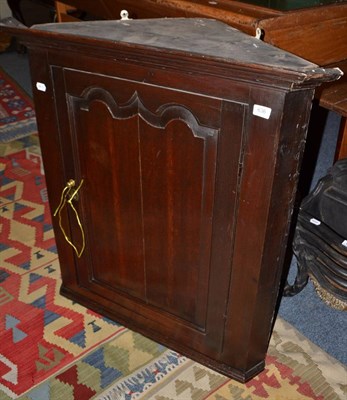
<point>171,149</point>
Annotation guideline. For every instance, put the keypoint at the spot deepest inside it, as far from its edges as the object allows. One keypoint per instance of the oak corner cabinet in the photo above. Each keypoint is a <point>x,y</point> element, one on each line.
<point>173,148</point>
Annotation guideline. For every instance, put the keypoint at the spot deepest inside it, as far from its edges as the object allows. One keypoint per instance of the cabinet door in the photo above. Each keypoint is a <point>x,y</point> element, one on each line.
<point>157,164</point>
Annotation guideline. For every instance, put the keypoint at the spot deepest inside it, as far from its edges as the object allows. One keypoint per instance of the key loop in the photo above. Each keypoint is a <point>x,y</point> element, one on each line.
<point>67,196</point>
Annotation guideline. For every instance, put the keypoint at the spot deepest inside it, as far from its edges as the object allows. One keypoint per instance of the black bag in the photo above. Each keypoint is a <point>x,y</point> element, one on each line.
<point>320,240</point>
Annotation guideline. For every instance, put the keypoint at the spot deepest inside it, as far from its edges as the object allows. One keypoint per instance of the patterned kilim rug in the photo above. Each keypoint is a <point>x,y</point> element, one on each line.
<point>53,349</point>
<point>17,116</point>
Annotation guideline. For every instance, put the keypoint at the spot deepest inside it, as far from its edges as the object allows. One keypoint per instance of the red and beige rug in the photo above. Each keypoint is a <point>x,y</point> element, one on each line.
<point>53,349</point>
<point>17,115</point>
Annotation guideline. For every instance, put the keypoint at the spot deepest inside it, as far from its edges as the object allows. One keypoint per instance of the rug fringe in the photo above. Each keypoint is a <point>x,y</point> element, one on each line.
<point>143,379</point>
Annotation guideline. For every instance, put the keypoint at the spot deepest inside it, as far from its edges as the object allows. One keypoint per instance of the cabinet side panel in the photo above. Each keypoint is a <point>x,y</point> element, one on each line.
<point>289,154</point>
<point>250,235</point>
<point>268,189</point>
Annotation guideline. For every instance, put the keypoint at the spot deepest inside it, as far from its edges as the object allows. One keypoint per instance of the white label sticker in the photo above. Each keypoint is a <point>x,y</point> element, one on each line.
<point>315,221</point>
<point>262,111</point>
<point>344,243</point>
<point>41,86</point>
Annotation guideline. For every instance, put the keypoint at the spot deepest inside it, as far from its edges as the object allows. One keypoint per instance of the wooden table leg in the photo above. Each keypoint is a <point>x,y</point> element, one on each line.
<point>62,12</point>
<point>341,149</point>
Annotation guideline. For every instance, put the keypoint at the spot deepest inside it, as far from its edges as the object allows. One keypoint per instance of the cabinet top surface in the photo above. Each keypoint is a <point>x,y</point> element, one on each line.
<point>201,38</point>
<point>205,37</point>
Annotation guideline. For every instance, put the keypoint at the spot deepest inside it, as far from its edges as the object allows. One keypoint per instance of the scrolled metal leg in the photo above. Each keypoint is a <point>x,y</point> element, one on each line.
<point>300,282</point>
